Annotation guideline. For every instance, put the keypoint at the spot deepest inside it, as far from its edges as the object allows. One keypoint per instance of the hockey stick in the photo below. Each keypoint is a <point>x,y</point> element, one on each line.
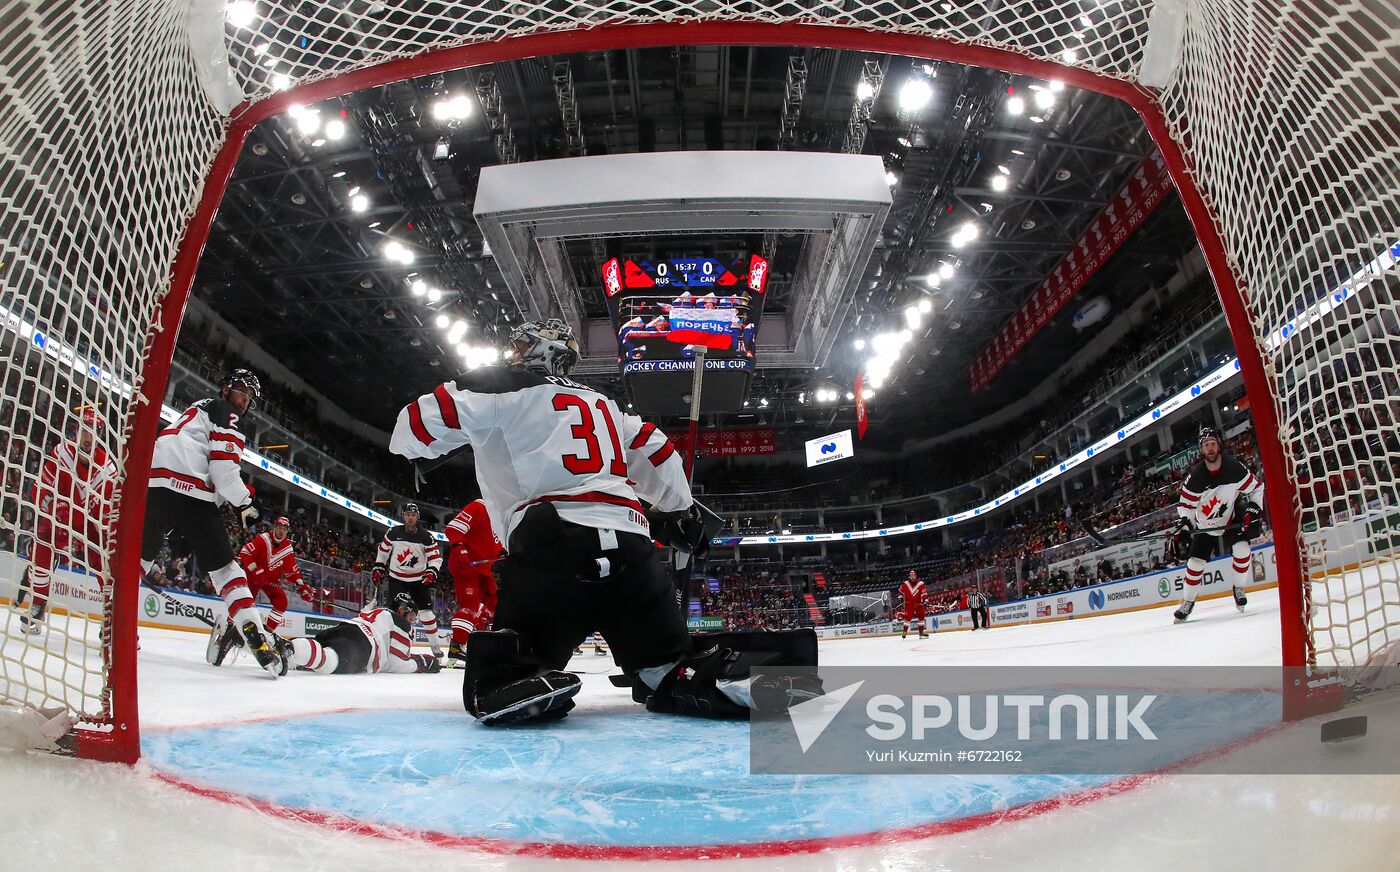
<point>1103,540</point>
<point>180,608</point>
<point>421,468</point>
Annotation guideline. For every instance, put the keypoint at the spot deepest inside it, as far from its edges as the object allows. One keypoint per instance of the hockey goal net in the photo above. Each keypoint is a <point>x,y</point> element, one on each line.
<point>120,123</point>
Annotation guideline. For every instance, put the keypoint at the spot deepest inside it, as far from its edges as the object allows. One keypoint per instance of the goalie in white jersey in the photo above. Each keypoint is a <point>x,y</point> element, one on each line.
<point>563,472</point>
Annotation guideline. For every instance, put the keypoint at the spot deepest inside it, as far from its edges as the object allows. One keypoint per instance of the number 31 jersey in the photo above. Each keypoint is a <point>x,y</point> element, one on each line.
<point>547,439</point>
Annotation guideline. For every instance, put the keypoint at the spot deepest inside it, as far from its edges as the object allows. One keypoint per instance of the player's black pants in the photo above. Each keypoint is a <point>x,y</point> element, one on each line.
<point>980,618</point>
<point>1205,545</point>
<point>546,597</point>
<point>350,645</point>
<point>199,523</point>
<point>422,594</point>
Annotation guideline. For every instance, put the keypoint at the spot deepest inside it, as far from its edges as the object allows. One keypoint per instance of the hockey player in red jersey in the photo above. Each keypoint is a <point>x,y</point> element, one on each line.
<point>270,561</point>
<point>472,550</point>
<point>563,472</point>
<point>72,497</point>
<point>194,470</point>
<point>914,605</point>
<point>1221,507</point>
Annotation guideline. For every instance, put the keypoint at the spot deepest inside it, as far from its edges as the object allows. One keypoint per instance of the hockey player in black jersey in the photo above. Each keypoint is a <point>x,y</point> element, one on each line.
<point>194,470</point>
<point>409,559</point>
<point>1220,507</point>
<point>563,472</point>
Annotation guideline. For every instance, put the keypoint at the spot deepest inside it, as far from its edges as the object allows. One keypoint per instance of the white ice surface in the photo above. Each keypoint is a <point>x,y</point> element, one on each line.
<point>66,814</point>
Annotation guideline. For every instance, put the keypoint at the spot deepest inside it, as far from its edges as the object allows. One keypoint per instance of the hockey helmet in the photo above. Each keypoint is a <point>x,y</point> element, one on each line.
<point>543,347</point>
<point>242,380</point>
<point>1208,432</point>
<point>281,521</point>
<point>409,507</point>
<point>403,604</point>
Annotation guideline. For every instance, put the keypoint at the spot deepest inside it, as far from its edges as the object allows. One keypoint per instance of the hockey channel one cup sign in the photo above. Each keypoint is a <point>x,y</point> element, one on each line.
<point>1102,721</point>
<point>667,311</point>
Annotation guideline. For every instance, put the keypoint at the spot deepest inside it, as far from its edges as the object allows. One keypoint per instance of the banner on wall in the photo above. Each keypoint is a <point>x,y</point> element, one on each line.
<point>1124,214</point>
<point>740,442</point>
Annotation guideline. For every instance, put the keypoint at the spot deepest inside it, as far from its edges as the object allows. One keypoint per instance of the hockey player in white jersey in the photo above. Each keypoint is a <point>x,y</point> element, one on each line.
<point>375,640</point>
<point>194,471</point>
<point>1221,506</point>
<point>563,472</point>
<point>409,560</point>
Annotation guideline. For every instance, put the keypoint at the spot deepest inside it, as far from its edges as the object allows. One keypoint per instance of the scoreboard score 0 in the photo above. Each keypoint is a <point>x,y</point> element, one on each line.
<point>659,307</point>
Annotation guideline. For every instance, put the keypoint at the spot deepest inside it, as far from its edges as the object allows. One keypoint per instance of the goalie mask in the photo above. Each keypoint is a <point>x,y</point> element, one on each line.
<point>543,347</point>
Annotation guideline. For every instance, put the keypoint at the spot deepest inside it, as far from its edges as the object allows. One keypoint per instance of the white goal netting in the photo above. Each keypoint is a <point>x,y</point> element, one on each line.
<point>112,113</point>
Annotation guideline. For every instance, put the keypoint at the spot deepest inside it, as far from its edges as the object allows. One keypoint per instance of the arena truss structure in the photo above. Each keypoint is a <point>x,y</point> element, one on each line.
<point>121,122</point>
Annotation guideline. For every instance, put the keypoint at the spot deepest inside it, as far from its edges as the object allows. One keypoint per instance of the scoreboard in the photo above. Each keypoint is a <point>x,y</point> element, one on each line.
<point>665,310</point>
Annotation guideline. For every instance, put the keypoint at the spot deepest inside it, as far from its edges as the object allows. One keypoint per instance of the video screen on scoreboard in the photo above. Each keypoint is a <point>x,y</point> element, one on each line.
<point>666,311</point>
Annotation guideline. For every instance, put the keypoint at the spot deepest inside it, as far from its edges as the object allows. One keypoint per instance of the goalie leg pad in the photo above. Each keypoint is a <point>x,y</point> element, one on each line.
<point>504,682</point>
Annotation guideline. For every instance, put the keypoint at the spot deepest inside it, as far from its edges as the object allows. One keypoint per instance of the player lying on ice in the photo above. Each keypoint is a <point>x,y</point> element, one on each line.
<point>562,473</point>
<point>375,640</point>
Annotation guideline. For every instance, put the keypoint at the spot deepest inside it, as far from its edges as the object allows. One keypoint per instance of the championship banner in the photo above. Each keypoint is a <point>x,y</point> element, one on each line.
<point>861,420</point>
<point>729,443</point>
<point>1124,214</point>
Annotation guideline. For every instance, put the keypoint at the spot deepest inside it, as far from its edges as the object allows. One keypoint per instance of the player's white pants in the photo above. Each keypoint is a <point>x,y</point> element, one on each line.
<point>232,584</point>
<point>1196,567</point>
<point>310,654</point>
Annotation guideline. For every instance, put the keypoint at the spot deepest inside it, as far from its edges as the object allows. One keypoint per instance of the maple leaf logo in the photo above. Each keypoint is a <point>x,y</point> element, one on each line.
<point>408,558</point>
<point>1209,509</point>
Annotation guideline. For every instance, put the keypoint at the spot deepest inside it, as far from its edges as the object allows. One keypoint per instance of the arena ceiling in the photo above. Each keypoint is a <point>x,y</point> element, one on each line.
<point>335,213</point>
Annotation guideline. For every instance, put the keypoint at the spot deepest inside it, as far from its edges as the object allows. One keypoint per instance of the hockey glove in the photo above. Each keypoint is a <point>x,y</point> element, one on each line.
<point>305,592</point>
<point>376,575</point>
<point>1250,521</point>
<point>249,514</point>
<point>427,663</point>
<point>430,577</point>
<point>1179,544</point>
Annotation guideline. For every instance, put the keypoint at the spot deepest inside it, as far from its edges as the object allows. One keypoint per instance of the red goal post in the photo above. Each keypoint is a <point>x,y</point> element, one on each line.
<point>1272,119</point>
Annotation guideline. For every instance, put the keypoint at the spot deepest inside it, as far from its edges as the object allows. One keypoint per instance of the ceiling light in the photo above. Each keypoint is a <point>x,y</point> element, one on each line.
<point>460,106</point>
<point>865,90</point>
<point>859,344</point>
<point>281,81</point>
<point>904,141</point>
<point>934,279</point>
<point>925,305</point>
<point>912,316</point>
<point>1037,119</point>
<point>354,190</point>
<point>442,321</point>
<point>434,295</point>
<point>763,403</point>
<point>309,122</point>
<point>945,270</point>
<point>335,128</point>
<point>1015,105</point>
<point>373,225</point>
<point>338,175</point>
<point>241,13</point>
<point>850,395</point>
<point>418,288</point>
<point>1044,99</point>
<point>261,48</point>
<point>891,178</point>
<point>442,149</point>
<point>1057,85</point>
<point>999,182</point>
<point>867,393</point>
<point>359,203</point>
<point>317,143</point>
<point>915,94</point>
<point>1070,55</point>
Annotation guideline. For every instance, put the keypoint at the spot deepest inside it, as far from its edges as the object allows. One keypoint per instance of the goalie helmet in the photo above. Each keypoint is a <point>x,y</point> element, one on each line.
<point>543,347</point>
<point>245,381</point>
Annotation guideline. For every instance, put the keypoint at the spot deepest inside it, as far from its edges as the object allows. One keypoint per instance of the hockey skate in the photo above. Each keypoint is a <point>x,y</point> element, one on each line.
<point>223,640</point>
<point>33,620</point>
<point>263,650</point>
<point>1240,600</point>
<point>599,650</point>
<point>1184,611</point>
<point>545,696</point>
<point>456,656</point>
